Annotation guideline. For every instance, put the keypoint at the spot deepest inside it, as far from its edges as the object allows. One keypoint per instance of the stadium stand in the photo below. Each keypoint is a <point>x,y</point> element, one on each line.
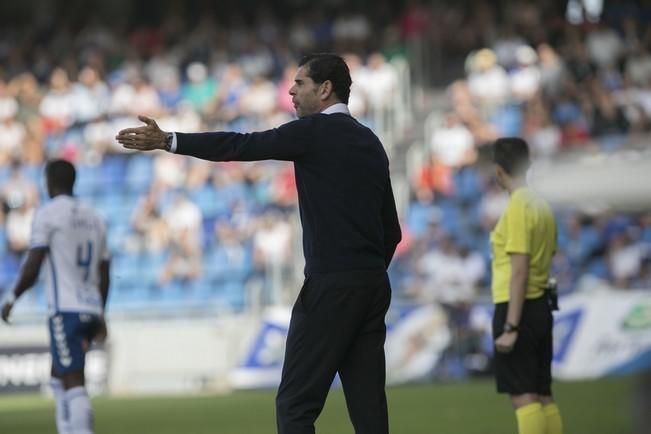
<point>208,236</point>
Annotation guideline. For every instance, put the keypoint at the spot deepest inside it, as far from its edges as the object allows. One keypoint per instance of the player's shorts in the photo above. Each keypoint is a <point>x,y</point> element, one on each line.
<point>527,368</point>
<point>68,331</point>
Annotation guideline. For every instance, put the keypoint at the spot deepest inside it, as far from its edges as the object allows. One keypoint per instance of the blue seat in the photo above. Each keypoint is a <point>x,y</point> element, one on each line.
<point>139,173</point>
<point>3,241</point>
<point>208,201</point>
<point>467,185</point>
<point>88,182</point>
<point>113,170</point>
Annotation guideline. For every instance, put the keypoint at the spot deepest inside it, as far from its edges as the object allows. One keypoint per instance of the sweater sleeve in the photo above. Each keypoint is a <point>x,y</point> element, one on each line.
<point>392,233</point>
<point>289,142</point>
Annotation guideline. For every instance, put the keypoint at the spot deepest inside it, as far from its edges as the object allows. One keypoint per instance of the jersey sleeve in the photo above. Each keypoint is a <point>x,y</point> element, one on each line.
<point>518,238</point>
<point>42,229</point>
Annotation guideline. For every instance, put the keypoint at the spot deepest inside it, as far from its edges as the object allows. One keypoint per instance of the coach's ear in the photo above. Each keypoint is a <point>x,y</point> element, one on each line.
<point>325,90</point>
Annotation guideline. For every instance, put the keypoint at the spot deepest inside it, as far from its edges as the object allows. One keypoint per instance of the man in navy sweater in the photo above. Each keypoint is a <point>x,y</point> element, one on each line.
<point>350,232</point>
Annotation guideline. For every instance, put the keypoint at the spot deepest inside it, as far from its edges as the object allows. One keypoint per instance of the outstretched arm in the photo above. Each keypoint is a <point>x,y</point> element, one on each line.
<point>289,142</point>
<point>28,275</point>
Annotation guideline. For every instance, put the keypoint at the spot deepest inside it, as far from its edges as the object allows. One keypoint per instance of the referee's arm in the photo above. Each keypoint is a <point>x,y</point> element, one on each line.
<point>518,286</point>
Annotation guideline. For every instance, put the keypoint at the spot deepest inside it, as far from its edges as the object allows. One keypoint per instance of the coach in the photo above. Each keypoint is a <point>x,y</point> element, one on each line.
<point>350,232</point>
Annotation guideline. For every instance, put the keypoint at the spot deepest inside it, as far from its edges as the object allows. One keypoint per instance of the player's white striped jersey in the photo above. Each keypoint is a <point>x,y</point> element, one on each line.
<point>76,238</point>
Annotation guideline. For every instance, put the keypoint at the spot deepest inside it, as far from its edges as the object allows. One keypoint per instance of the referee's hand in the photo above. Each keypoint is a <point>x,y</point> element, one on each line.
<point>505,342</point>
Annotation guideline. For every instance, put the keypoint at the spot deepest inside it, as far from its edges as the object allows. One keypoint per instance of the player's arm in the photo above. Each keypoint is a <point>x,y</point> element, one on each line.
<point>104,280</point>
<point>104,268</point>
<point>27,278</point>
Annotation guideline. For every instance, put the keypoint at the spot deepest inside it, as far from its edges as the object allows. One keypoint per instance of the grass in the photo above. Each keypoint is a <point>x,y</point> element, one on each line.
<point>595,407</point>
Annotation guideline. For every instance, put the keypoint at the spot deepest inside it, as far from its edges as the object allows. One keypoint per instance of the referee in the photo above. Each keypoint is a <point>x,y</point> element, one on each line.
<point>523,243</point>
<point>350,232</point>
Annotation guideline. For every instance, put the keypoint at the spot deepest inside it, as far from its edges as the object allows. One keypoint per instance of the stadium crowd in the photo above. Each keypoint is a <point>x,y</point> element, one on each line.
<point>178,229</point>
<point>567,84</point>
<point>188,230</point>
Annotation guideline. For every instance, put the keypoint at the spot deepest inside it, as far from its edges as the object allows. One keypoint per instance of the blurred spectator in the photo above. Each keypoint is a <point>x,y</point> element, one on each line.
<point>151,232</point>
<point>604,45</point>
<point>379,82</point>
<point>57,106</point>
<point>625,259</point>
<point>169,171</point>
<point>272,255</point>
<point>272,241</point>
<point>259,100</point>
<point>183,218</point>
<point>17,190</point>
<point>12,132</point>
<point>19,200</point>
<point>452,143</point>
<point>552,70</point>
<point>451,277</point>
<point>525,76</point>
<point>90,96</point>
<point>201,90</point>
<point>19,228</point>
<point>357,102</point>
<point>638,67</point>
<point>487,81</point>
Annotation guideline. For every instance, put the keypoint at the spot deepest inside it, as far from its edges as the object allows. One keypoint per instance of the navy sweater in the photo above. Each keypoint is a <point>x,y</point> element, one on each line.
<point>345,198</point>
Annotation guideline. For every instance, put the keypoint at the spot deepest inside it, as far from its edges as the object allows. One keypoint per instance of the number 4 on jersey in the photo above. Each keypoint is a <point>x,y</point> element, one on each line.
<point>85,257</point>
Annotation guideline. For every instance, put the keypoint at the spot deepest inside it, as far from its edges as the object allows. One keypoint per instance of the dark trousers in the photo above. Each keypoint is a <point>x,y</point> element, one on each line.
<point>337,325</point>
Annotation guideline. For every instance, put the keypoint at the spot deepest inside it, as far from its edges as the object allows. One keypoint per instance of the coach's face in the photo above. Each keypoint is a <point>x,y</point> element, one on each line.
<point>306,94</point>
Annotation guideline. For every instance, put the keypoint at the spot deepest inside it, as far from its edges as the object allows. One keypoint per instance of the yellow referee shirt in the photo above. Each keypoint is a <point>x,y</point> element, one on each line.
<point>528,227</point>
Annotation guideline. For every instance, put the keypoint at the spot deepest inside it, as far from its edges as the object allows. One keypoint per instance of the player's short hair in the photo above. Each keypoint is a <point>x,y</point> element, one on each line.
<point>329,66</point>
<point>61,174</point>
<point>512,155</point>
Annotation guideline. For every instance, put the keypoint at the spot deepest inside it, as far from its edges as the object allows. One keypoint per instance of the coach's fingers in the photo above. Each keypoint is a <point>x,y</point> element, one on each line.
<point>137,130</point>
<point>141,138</point>
<point>149,121</point>
<point>140,146</point>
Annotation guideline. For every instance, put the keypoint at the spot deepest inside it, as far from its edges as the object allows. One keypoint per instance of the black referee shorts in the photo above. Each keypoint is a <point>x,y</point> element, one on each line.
<point>527,368</point>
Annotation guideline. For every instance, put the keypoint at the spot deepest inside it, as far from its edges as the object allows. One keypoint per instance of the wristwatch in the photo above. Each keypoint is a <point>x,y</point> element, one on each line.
<point>510,328</point>
<point>169,137</point>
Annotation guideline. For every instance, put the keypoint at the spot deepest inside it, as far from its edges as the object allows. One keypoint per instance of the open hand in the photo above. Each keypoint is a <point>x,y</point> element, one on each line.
<point>145,138</point>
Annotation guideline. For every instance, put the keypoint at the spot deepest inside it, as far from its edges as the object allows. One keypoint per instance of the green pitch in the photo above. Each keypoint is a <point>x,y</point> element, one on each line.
<point>595,407</point>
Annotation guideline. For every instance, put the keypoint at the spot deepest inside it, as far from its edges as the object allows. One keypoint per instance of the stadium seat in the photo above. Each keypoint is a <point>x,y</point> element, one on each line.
<point>139,173</point>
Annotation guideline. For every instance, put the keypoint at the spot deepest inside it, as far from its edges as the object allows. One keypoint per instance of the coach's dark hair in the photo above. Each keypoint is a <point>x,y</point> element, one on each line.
<point>61,174</point>
<point>512,155</point>
<point>329,66</point>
